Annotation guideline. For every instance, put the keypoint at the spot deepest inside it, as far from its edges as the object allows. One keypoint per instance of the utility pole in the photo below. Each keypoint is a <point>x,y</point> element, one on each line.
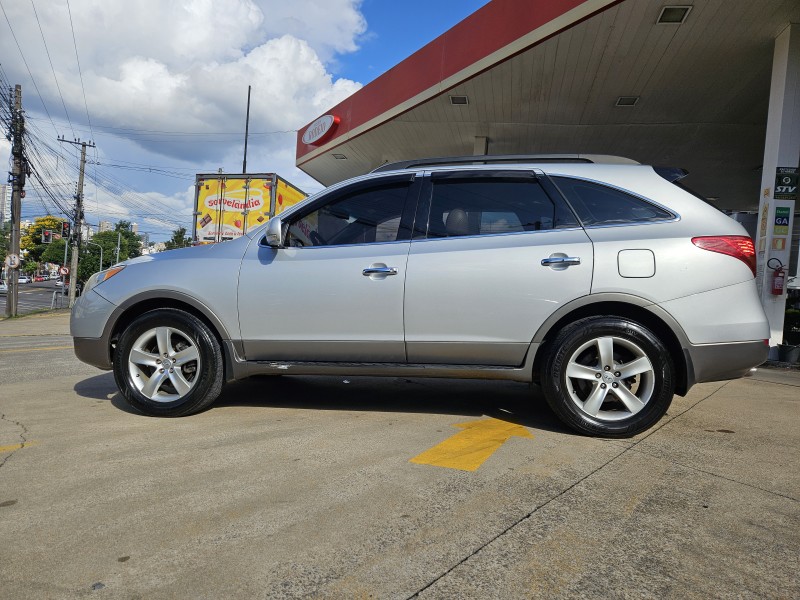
<point>77,227</point>
<point>19,170</point>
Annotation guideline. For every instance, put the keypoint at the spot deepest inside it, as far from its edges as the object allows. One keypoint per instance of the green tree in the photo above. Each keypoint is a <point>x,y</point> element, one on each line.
<point>89,262</point>
<point>54,253</point>
<point>29,267</point>
<point>133,246</point>
<point>32,239</point>
<point>178,239</point>
<point>5,240</point>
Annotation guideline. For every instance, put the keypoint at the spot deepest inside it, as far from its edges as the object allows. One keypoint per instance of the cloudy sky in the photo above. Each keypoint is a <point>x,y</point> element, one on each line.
<point>160,86</point>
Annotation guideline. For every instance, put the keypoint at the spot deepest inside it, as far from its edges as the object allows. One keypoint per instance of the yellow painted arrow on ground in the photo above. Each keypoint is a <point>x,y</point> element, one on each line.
<point>467,450</point>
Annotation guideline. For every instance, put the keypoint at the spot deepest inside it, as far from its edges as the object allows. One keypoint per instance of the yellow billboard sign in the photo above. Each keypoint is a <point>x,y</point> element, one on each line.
<point>228,206</point>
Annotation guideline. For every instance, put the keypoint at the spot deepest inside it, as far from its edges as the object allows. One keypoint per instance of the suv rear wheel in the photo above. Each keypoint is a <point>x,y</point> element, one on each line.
<point>608,376</point>
<point>168,364</point>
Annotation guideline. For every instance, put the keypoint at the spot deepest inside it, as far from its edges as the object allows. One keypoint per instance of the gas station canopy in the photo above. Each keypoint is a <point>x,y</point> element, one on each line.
<point>685,85</point>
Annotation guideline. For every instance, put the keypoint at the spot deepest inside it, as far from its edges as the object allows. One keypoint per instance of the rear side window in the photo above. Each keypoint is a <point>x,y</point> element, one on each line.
<point>598,204</point>
<point>486,205</point>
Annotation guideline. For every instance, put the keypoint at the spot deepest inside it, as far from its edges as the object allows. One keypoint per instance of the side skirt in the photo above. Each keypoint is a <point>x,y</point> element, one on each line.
<point>239,369</point>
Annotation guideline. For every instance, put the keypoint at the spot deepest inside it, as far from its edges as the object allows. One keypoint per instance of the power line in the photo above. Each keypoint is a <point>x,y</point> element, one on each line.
<point>44,157</point>
<point>145,169</point>
<point>193,169</point>
<point>74,43</point>
<point>165,132</point>
<point>52,68</point>
<point>36,87</point>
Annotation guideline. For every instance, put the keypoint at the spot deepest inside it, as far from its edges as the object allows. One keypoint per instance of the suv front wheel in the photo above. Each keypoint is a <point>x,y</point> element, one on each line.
<point>608,376</point>
<point>168,363</point>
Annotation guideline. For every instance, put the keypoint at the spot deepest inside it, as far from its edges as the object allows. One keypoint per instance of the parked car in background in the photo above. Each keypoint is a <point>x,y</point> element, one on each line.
<point>3,287</point>
<point>24,279</point>
<point>599,279</point>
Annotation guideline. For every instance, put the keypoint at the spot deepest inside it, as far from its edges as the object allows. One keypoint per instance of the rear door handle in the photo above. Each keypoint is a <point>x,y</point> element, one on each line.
<point>379,271</point>
<point>562,261</point>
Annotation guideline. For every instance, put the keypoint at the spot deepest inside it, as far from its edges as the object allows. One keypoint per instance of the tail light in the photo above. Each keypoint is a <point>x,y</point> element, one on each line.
<point>737,246</point>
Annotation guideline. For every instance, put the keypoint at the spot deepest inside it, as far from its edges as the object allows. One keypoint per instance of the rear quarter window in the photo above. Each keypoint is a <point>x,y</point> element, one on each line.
<point>597,204</point>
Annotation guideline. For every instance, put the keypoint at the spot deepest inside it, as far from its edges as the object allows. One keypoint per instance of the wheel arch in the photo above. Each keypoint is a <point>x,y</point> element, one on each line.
<point>140,304</point>
<point>625,306</point>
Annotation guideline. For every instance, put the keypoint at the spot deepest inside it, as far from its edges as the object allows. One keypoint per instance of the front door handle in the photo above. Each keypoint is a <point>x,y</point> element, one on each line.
<point>379,271</point>
<point>561,261</point>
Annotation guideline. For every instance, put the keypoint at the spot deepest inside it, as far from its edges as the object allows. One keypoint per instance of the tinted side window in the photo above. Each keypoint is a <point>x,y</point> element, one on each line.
<point>370,215</point>
<point>490,205</point>
<point>600,205</point>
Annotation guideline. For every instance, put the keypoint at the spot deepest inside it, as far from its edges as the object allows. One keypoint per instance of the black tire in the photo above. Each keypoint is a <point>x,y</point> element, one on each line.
<point>193,355</point>
<point>594,398</point>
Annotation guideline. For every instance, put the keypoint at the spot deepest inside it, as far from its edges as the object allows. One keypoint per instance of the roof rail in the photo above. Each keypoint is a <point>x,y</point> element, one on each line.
<point>505,158</point>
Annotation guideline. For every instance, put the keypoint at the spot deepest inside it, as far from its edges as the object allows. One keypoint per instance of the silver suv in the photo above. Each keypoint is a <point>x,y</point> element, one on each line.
<point>599,279</point>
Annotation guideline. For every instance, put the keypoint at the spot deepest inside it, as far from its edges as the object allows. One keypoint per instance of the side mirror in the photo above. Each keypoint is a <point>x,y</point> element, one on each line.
<point>274,235</point>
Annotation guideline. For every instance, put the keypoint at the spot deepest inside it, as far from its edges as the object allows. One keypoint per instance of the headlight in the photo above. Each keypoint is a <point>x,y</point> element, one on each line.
<point>102,276</point>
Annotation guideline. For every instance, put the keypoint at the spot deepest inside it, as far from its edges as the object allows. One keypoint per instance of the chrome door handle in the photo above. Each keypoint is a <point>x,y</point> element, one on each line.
<point>563,261</point>
<point>379,271</point>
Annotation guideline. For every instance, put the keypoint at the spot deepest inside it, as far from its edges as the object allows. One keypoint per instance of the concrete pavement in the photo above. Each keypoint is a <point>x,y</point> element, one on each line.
<point>302,487</point>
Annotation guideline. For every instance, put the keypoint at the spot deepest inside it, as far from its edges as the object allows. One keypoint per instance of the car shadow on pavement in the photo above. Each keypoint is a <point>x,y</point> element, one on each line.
<point>100,387</point>
<point>103,387</point>
<point>510,401</point>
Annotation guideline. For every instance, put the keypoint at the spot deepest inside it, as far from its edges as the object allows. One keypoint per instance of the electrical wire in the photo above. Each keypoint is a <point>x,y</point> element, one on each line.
<point>78,60</point>
<point>52,174</point>
<point>33,80</point>
<point>52,68</point>
<point>189,133</point>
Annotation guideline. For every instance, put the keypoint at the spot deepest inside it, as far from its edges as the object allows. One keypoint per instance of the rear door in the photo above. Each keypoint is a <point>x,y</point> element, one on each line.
<point>492,256</point>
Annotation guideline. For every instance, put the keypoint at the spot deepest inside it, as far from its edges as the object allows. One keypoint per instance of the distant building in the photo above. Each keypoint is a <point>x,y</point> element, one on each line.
<point>5,203</point>
<point>154,248</point>
<point>134,228</point>
<point>105,226</point>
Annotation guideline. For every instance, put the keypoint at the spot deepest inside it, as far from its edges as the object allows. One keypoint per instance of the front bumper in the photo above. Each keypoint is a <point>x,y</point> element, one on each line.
<point>88,326</point>
<point>93,351</point>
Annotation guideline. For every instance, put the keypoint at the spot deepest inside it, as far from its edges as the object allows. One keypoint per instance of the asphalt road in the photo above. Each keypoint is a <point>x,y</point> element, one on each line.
<point>300,487</point>
<point>35,297</point>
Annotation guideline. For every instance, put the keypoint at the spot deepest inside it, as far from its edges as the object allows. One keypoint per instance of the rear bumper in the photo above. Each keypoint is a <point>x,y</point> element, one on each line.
<point>717,362</point>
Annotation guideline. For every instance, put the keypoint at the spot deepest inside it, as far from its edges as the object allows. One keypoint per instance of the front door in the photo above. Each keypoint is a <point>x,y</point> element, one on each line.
<point>335,291</point>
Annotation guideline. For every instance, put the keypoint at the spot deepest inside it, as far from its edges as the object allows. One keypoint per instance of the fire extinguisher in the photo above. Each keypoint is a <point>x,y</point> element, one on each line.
<point>778,278</point>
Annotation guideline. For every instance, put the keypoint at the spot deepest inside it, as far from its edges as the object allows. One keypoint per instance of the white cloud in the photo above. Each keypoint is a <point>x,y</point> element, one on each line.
<point>5,154</point>
<point>180,33</point>
<point>186,66</point>
<point>183,67</point>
